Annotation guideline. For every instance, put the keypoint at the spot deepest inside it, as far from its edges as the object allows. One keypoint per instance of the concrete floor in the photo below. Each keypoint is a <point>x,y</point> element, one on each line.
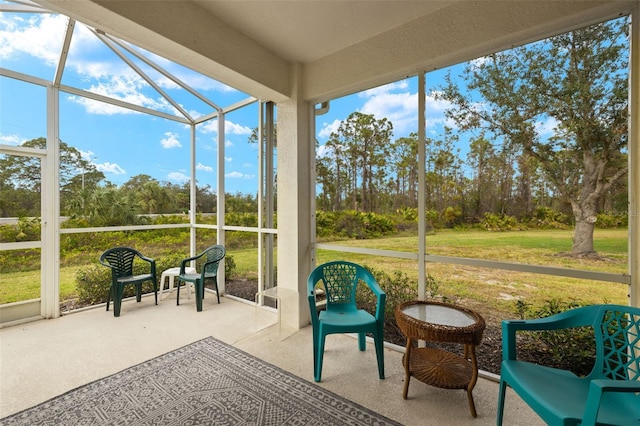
<point>40,360</point>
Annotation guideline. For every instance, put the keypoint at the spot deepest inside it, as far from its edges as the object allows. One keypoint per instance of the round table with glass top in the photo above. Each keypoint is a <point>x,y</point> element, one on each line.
<point>440,322</point>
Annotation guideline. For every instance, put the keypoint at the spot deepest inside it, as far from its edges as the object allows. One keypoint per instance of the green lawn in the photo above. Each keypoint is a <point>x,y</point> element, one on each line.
<point>493,292</point>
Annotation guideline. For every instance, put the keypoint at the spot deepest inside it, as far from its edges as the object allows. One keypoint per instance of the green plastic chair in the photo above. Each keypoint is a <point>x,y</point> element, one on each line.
<point>609,394</point>
<point>339,280</point>
<point>120,261</point>
<point>208,271</point>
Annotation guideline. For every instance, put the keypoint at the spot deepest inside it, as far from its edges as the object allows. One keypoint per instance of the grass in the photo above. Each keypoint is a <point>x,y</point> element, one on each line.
<point>493,292</point>
<point>18,286</point>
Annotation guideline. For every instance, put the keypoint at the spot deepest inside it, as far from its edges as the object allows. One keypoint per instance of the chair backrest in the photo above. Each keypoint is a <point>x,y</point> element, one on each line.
<point>120,259</point>
<point>213,256</point>
<point>617,330</point>
<point>340,281</point>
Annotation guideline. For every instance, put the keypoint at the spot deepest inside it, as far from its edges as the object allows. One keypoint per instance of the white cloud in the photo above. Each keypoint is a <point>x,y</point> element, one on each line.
<point>97,107</point>
<point>14,140</point>
<point>39,36</point>
<point>106,167</point>
<point>228,143</point>
<point>178,177</point>
<point>204,168</point>
<point>188,77</point>
<point>111,168</point>
<point>228,159</point>
<point>230,128</point>
<point>87,155</point>
<point>170,141</point>
<point>238,175</point>
<point>398,104</point>
<point>399,108</point>
<point>328,128</point>
<point>123,88</point>
<point>236,129</point>
<point>324,150</point>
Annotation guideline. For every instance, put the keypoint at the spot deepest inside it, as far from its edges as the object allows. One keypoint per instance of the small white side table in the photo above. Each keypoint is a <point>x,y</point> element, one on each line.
<point>171,274</point>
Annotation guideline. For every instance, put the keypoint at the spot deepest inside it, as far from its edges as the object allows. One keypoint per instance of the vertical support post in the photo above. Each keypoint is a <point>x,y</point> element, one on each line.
<point>422,226</point>
<point>269,191</point>
<point>295,152</point>
<point>50,211</point>
<point>220,221</point>
<point>634,159</point>
<point>261,201</point>
<point>192,194</point>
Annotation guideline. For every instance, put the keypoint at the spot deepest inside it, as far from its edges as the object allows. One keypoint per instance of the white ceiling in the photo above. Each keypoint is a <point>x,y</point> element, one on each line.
<point>304,31</point>
<point>319,50</point>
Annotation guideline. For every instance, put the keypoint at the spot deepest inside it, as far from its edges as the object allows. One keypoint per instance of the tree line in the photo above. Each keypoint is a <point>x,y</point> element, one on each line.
<point>576,83</point>
<point>547,125</point>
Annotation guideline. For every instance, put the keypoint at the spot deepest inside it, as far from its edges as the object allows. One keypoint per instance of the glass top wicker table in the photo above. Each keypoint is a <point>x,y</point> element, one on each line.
<point>440,322</point>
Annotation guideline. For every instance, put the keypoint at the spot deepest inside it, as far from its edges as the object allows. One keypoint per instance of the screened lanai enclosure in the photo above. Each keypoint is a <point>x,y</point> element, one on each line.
<point>160,91</point>
<point>190,101</point>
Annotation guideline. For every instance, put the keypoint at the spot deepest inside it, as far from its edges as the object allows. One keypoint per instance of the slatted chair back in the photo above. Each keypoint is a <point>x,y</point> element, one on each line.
<point>121,260</point>
<point>340,281</point>
<point>213,255</point>
<point>618,342</point>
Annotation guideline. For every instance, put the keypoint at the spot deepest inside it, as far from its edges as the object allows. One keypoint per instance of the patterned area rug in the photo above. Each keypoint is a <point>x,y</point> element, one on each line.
<point>204,383</point>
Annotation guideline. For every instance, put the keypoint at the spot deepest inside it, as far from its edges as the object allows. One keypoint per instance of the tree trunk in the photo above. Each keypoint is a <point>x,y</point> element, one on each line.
<point>585,215</point>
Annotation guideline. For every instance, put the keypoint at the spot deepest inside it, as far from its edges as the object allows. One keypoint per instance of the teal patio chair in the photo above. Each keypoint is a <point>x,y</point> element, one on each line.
<point>609,394</point>
<point>120,260</point>
<point>211,257</point>
<point>339,280</point>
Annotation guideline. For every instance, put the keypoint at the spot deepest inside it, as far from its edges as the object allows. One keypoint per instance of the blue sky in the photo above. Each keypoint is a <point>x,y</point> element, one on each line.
<point>123,143</point>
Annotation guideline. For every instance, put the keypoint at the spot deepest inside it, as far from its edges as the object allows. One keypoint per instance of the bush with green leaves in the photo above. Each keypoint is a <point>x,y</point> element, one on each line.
<point>500,222</point>
<point>569,349</point>
<point>609,220</point>
<point>547,218</point>
<point>398,287</point>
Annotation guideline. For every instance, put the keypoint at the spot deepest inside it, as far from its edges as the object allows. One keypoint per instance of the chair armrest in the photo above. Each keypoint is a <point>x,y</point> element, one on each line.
<point>597,388</point>
<point>381,296</point>
<point>568,319</point>
<point>151,261</point>
<point>103,263</point>
<point>313,310</point>
<point>185,261</point>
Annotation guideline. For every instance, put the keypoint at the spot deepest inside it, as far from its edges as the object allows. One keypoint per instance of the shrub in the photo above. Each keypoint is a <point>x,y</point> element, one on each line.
<point>612,220</point>
<point>498,223</point>
<point>569,349</point>
<point>398,287</point>
<point>229,267</point>
<point>547,218</point>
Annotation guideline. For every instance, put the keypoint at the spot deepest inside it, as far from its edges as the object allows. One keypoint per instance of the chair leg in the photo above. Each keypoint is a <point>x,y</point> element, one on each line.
<point>379,343</point>
<point>178,292</point>
<point>362,341</point>
<point>110,296</point>
<point>215,282</point>
<point>117,300</point>
<point>501,396</point>
<point>139,292</point>
<point>155,288</point>
<point>199,294</point>
<point>315,350</point>
<point>320,355</point>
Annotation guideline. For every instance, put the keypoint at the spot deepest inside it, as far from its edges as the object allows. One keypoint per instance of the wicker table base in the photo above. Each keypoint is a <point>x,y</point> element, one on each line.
<point>437,367</point>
